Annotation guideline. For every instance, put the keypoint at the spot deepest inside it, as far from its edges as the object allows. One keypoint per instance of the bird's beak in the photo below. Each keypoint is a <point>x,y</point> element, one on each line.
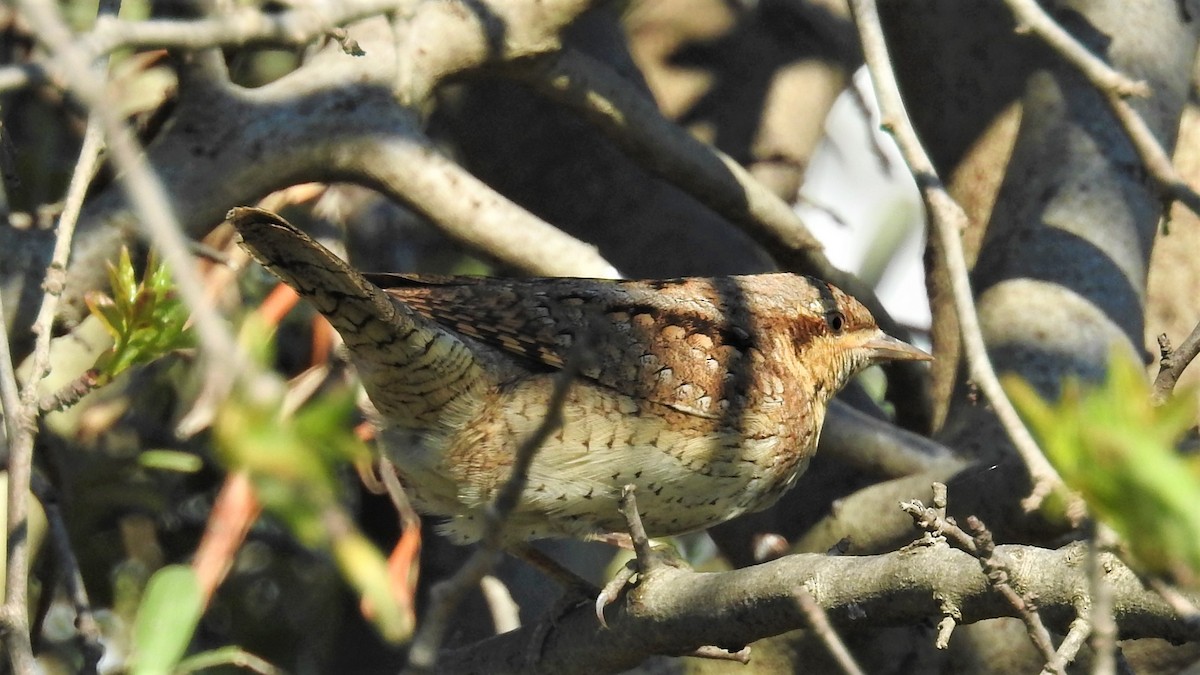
<point>884,347</point>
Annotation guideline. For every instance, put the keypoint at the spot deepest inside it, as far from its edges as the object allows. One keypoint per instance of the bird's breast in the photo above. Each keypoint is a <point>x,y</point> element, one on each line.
<point>690,471</point>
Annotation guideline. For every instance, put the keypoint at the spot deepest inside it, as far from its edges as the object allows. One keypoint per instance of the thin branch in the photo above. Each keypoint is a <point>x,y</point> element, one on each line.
<point>945,630</point>
<point>949,221</point>
<point>637,531</point>
<point>23,415</point>
<point>361,136</point>
<point>1156,160</point>
<point>631,118</point>
<point>819,621</point>
<point>14,613</point>
<point>506,614</point>
<point>648,563</point>
<point>1031,18</point>
<point>1172,363</point>
<point>1185,608</point>
<point>145,191</point>
<point>91,647</point>
<point>70,393</point>
<point>996,568</point>
<point>1076,636</point>
<point>1100,613</point>
<point>296,26</point>
<point>1116,89</point>
<point>1000,574</point>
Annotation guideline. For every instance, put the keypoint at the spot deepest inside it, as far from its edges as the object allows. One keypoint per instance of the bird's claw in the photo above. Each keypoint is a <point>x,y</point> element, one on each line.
<point>612,590</point>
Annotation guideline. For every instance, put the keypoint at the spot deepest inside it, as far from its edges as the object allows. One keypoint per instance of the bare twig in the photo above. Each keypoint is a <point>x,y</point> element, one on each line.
<point>637,531</point>
<point>1116,88</point>
<point>1032,18</point>
<point>446,595</point>
<point>506,615</point>
<point>940,499</point>
<point>23,415</point>
<point>819,621</point>
<point>14,613</point>
<point>1183,607</point>
<point>647,563</point>
<point>928,519</point>
<point>1172,364</point>
<point>149,198</point>
<point>1076,636</point>
<point>411,169</point>
<point>91,648</point>
<point>70,393</point>
<point>945,630</point>
<point>1102,625</point>
<point>999,574</point>
<point>1100,613</point>
<point>995,566</point>
<point>348,44</point>
<point>949,221</point>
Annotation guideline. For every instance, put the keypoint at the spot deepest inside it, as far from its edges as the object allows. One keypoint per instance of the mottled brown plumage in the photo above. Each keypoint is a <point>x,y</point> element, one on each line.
<point>707,394</point>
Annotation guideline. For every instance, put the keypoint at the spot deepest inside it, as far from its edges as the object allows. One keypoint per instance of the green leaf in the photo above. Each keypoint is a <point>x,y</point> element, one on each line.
<point>104,309</point>
<point>166,619</point>
<point>1118,450</point>
<point>145,319</point>
<point>171,460</point>
<point>295,464</point>
<point>366,569</point>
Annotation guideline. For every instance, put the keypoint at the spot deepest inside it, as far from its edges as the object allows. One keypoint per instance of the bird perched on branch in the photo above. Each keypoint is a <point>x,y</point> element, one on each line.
<point>706,394</point>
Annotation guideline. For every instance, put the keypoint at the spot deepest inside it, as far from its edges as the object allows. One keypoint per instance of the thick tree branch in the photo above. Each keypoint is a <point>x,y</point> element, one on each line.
<point>1116,88</point>
<point>334,119</point>
<point>240,26</point>
<point>673,611</point>
<point>633,121</point>
<point>872,445</point>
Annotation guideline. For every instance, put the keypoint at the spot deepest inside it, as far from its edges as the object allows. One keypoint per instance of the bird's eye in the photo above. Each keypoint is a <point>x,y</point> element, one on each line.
<point>836,321</point>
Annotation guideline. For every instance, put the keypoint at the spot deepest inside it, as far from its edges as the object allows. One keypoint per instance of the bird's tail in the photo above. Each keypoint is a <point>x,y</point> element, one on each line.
<point>413,370</point>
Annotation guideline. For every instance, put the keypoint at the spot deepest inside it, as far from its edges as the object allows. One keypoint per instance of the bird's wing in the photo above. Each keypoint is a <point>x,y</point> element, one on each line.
<point>682,343</point>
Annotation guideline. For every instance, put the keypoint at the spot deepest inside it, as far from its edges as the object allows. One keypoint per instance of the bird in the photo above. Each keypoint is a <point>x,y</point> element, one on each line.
<point>706,394</point>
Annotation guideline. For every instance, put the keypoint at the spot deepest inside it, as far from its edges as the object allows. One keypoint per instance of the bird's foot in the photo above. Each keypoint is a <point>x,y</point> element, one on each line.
<point>657,557</point>
<point>612,590</point>
<point>648,557</point>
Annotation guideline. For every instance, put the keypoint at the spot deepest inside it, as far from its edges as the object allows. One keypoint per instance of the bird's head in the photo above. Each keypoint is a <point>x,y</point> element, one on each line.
<point>837,337</point>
